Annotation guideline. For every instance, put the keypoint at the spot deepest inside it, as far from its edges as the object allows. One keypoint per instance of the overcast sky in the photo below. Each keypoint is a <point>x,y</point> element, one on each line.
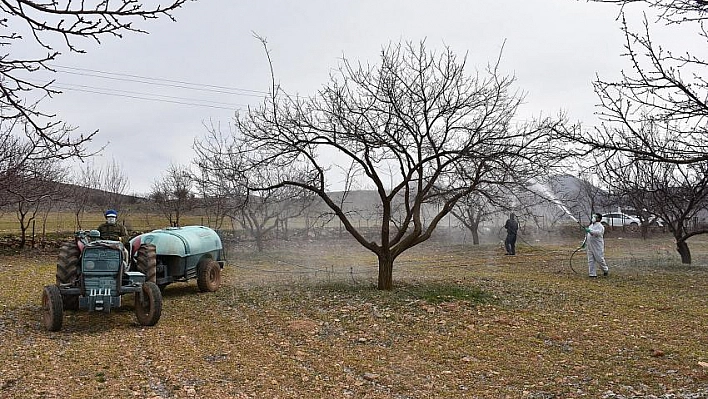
<point>210,57</point>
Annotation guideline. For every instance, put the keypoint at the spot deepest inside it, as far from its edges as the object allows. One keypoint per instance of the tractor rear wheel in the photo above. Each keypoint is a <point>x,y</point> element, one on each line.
<point>52,308</point>
<point>68,271</point>
<point>148,311</point>
<point>147,262</point>
<point>208,275</point>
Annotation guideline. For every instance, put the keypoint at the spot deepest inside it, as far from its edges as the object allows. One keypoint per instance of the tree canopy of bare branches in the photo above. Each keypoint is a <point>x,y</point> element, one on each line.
<point>671,11</point>
<point>440,131</point>
<point>172,193</point>
<point>46,27</point>
<point>223,179</point>
<point>658,110</point>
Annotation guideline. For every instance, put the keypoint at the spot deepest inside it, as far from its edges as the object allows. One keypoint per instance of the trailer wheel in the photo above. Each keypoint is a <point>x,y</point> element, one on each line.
<point>208,275</point>
<point>52,308</point>
<point>149,310</point>
<point>147,262</point>
<point>68,271</point>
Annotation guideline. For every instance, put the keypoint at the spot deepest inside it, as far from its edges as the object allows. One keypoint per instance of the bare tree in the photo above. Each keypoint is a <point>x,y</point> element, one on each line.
<point>221,162</point>
<point>294,204</point>
<point>82,194</point>
<point>219,177</point>
<point>172,193</point>
<point>13,150</point>
<point>34,188</point>
<point>114,184</point>
<point>213,201</point>
<point>262,214</point>
<point>418,112</point>
<point>471,211</point>
<point>657,111</point>
<point>675,193</point>
<point>45,27</point>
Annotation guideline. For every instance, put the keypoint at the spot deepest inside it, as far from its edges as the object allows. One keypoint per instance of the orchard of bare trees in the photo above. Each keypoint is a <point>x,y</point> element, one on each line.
<point>416,129</point>
<point>431,137</point>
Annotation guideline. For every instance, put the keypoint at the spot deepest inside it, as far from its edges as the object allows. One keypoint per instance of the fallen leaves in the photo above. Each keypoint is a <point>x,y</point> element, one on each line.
<point>460,328</point>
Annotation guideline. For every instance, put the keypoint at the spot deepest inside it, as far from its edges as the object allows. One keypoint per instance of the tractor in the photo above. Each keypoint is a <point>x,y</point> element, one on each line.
<point>94,274</point>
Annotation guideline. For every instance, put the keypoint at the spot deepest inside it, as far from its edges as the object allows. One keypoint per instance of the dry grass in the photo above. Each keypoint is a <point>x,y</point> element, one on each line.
<point>305,321</point>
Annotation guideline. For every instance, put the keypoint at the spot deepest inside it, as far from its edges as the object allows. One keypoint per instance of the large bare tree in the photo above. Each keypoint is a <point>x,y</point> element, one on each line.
<point>657,112</point>
<point>417,112</point>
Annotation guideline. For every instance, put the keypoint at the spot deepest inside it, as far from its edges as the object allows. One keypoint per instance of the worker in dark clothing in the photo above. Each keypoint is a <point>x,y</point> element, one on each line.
<point>112,230</point>
<point>512,228</point>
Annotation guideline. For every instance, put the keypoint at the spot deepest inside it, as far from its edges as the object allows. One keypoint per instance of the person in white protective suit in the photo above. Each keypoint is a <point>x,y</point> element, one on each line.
<point>595,244</point>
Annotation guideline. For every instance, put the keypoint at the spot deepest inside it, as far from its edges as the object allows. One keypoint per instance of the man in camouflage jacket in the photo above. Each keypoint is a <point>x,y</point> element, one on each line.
<point>112,230</point>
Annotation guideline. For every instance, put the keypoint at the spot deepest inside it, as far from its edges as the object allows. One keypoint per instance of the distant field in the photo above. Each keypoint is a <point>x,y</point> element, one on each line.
<point>57,222</point>
<point>64,223</point>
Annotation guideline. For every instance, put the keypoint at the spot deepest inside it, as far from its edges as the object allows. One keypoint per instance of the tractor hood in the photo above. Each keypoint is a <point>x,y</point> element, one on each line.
<point>180,241</point>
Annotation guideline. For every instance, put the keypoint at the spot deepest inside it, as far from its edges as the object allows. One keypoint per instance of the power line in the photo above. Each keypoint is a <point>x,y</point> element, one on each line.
<point>157,81</point>
<point>139,97</point>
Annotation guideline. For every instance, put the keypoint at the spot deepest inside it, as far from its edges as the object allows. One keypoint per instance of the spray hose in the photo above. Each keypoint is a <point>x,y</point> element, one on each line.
<point>570,261</point>
<point>582,245</point>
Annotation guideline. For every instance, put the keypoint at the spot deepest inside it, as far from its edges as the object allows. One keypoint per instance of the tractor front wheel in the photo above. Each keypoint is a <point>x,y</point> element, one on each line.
<point>149,309</point>
<point>52,308</point>
<point>208,275</point>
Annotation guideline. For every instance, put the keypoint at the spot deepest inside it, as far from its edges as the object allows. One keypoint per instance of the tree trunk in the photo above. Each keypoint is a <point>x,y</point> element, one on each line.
<point>385,272</point>
<point>284,227</point>
<point>259,240</point>
<point>684,251</point>
<point>23,235</point>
